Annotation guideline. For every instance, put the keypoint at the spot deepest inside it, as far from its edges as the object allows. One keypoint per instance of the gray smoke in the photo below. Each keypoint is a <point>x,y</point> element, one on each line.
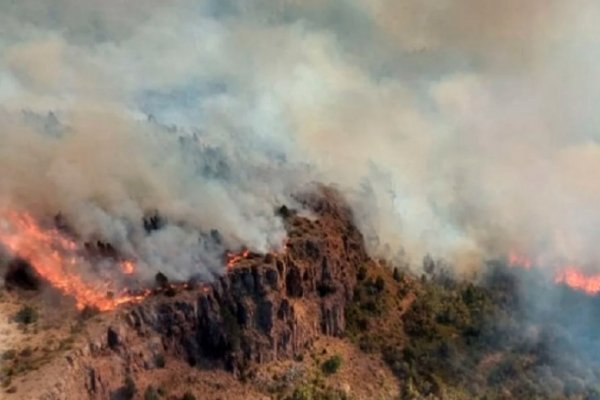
<point>462,128</point>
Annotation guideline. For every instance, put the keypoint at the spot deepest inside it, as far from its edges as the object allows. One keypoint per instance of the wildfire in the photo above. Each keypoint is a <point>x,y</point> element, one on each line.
<point>569,275</point>
<point>576,279</point>
<point>63,263</point>
<point>234,258</point>
<point>55,257</point>
<point>128,267</point>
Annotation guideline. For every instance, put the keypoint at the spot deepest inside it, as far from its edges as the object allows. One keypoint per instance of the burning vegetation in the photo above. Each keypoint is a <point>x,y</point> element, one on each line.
<point>576,279</point>
<point>60,261</point>
<point>233,258</point>
<point>570,275</point>
<point>441,336</point>
<point>94,275</point>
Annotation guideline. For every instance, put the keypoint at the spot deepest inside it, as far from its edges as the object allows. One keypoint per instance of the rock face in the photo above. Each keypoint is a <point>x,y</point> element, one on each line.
<point>271,305</point>
<point>266,307</point>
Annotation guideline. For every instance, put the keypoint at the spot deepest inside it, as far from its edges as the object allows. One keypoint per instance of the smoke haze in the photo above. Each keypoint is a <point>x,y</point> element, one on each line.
<point>462,128</point>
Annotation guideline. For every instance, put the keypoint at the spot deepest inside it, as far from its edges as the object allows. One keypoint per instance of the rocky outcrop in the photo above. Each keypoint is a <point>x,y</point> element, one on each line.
<point>266,307</point>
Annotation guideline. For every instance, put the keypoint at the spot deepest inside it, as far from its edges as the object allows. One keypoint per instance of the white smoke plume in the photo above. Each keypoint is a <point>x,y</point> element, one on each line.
<point>463,128</point>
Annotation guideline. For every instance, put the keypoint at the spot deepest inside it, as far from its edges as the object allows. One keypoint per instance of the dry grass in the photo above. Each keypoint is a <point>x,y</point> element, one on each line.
<point>26,347</point>
<point>360,375</point>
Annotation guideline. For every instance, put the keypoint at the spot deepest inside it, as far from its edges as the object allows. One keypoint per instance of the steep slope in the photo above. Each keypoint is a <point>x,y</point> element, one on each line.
<point>265,309</point>
<point>318,320</point>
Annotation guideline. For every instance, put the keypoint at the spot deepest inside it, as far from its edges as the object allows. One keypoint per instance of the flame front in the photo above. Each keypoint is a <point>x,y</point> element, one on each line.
<point>569,275</point>
<point>574,278</point>
<point>55,257</point>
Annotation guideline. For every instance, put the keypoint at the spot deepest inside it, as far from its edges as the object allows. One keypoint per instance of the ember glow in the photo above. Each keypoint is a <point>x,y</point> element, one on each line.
<point>128,267</point>
<point>56,258</point>
<point>234,258</point>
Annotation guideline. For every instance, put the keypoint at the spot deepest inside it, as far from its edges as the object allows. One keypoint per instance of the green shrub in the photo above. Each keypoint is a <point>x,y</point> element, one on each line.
<point>301,393</point>
<point>26,315</point>
<point>5,381</point>
<point>151,394</point>
<point>159,361</point>
<point>379,284</point>
<point>362,273</point>
<point>332,365</point>
<point>188,396</point>
<point>128,389</point>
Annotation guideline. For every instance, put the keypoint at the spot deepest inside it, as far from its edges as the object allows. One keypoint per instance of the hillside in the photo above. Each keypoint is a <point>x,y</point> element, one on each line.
<point>320,320</point>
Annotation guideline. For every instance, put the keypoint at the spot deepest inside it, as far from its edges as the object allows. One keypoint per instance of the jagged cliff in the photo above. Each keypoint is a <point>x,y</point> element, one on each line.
<point>266,307</point>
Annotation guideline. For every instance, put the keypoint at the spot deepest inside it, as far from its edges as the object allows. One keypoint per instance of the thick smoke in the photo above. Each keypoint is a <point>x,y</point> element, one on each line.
<point>462,128</point>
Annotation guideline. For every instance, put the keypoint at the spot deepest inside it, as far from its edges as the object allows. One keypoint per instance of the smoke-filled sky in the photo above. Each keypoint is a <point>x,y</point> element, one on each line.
<point>462,128</point>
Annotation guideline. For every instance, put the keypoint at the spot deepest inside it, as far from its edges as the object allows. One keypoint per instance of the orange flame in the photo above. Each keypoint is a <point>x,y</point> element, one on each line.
<point>234,258</point>
<point>55,258</point>
<point>128,267</point>
<point>574,278</point>
<point>569,275</point>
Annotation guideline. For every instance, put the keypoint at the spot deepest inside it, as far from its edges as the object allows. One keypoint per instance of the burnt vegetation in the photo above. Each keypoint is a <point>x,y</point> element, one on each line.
<point>447,338</point>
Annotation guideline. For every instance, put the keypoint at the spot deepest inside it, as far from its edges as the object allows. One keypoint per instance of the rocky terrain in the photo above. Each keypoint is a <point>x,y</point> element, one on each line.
<point>267,309</point>
<point>319,319</point>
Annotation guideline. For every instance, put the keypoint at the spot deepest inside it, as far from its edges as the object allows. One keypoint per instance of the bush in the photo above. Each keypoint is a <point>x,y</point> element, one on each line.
<point>159,361</point>
<point>26,315</point>
<point>332,365</point>
<point>128,390</point>
<point>26,352</point>
<point>379,284</point>
<point>188,396</point>
<point>125,392</point>
<point>301,393</point>
<point>151,394</point>
<point>316,392</point>
<point>161,280</point>
<point>362,273</point>
<point>88,312</point>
